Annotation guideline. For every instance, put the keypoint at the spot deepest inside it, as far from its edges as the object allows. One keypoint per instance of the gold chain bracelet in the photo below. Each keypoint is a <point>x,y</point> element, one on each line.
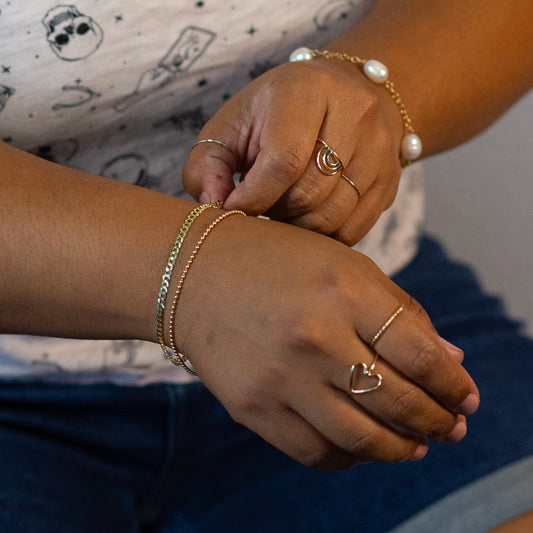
<point>178,358</point>
<point>377,72</point>
<point>167,275</point>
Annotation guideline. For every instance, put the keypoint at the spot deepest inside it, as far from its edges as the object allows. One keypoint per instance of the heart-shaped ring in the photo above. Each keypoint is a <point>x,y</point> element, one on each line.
<point>365,374</point>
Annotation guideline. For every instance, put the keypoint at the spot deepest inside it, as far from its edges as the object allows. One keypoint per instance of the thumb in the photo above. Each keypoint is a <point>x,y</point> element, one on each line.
<point>209,170</point>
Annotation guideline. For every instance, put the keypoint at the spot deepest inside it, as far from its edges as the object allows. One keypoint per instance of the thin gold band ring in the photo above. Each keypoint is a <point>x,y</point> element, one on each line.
<point>363,378</point>
<point>352,184</point>
<point>215,141</point>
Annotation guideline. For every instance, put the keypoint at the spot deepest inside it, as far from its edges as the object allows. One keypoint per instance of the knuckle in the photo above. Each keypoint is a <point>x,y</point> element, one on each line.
<point>364,445</point>
<point>369,105</point>
<point>461,390</point>
<point>390,196</point>
<point>287,167</point>
<point>383,140</point>
<point>345,237</point>
<point>398,452</point>
<point>322,78</point>
<point>237,416</point>
<point>347,234</point>
<point>405,453</point>
<point>396,172</point>
<point>372,108</point>
<point>404,407</point>
<point>189,179</point>
<point>320,222</point>
<point>304,334</point>
<point>442,428</point>
<point>301,198</point>
<point>415,308</point>
<point>392,188</point>
<point>318,454</point>
<point>325,455</point>
<point>245,405</point>
<point>337,291</point>
<point>389,200</point>
<point>424,359</point>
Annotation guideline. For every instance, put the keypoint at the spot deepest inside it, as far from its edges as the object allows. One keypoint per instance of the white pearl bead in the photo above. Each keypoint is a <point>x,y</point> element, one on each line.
<point>376,71</point>
<point>301,54</point>
<point>411,146</point>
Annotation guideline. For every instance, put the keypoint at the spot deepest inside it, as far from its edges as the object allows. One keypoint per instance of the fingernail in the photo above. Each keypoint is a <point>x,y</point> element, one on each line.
<point>420,452</point>
<point>204,198</point>
<point>469,405</point>
<point>457,433</point>
<point>455,352</point>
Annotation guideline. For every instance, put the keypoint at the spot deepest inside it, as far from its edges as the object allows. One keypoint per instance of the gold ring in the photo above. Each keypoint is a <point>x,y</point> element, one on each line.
<point>365,381</point>
<point>215,141</point>
<point>383,328</point>
<point>352,184</point>
<point>327,160</point>
<point>362,377</point>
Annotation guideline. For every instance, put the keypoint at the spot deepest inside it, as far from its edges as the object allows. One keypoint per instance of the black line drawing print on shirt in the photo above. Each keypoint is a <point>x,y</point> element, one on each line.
<point>119,354</point>
<point>329,13</point>
<point>260,68</point>
<point>5,94</point>
<point>57,152</point>
<point>190,46</point>
<point>192,120</point>
<point>134,168</point>
<point>130,168</point>
<point>82,93</point>
<point>71,34</point>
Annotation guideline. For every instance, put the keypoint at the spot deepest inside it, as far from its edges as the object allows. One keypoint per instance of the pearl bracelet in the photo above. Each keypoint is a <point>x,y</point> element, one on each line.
<point>377,72</point>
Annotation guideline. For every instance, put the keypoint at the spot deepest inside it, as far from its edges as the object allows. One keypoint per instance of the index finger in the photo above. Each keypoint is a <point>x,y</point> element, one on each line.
<point>286,143</point>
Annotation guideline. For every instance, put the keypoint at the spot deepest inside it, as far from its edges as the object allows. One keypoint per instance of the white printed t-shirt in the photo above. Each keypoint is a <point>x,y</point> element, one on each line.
<point>121,89</point>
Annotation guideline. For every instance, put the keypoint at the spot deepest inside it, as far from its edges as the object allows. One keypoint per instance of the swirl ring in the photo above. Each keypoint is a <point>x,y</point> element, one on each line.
<point>327,160</point>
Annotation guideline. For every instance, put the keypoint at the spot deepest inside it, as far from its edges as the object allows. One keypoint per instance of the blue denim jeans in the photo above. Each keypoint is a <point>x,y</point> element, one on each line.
<point>166,458</point>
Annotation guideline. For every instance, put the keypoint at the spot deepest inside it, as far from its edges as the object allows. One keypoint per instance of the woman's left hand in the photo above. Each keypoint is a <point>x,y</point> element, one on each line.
<point>272,127</point>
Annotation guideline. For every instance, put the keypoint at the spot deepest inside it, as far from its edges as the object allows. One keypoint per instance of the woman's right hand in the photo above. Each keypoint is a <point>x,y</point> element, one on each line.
<point>273,317</point>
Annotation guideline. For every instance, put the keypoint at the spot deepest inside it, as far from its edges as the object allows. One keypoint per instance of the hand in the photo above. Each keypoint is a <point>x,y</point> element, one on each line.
<point>272,318</point>
<point>273,125</point>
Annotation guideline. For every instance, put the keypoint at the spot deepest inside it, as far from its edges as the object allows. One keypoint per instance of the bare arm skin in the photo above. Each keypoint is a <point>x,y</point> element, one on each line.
<point>80,254</point>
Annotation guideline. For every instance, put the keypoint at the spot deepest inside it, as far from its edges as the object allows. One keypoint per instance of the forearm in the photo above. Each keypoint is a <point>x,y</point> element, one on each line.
<point>80,255</point>
<point>457,65</point>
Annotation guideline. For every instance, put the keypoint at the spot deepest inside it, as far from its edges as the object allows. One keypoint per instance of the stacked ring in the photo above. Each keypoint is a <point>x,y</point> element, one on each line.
<point>368,371</point>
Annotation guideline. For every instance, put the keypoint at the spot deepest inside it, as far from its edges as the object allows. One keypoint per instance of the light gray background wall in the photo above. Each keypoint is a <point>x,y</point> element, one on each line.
<point>480,203</point>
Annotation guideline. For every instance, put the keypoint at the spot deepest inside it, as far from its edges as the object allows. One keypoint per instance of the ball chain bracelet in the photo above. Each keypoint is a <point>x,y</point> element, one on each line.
<point>377,72</point>
<point>178,358</point>
<point>167,275</point>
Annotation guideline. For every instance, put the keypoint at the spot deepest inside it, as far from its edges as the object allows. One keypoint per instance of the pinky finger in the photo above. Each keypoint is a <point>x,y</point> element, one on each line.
<point>358,433</point>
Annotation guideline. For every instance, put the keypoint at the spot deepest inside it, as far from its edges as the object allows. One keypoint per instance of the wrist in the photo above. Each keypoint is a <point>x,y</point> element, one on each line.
<point>167,308</point>
<point>377,73</point>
